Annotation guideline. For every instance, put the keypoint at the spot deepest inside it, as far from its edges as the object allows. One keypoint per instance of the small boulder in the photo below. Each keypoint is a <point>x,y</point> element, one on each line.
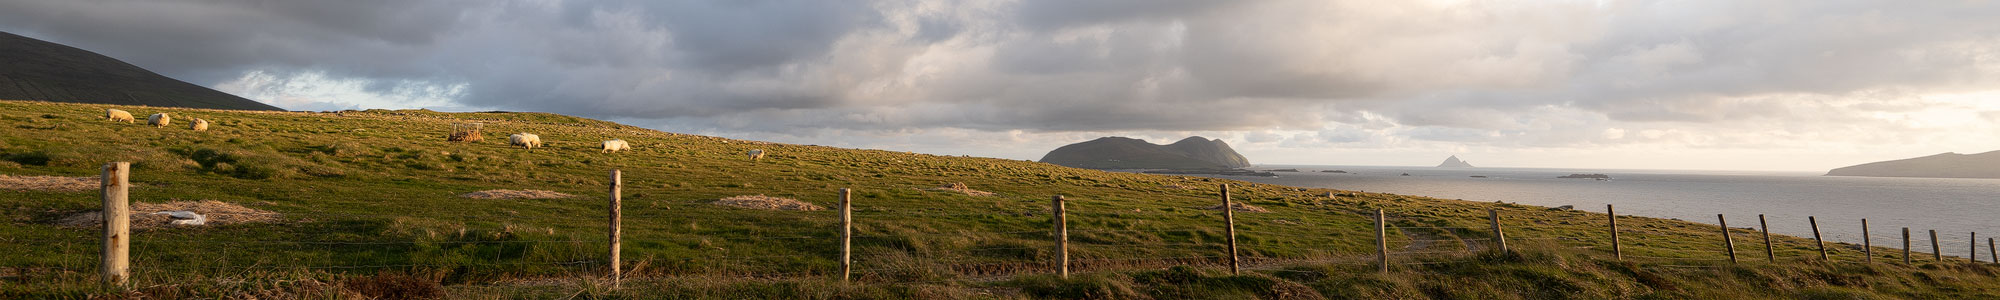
<point>1563,208</point>
<point>182,217</point>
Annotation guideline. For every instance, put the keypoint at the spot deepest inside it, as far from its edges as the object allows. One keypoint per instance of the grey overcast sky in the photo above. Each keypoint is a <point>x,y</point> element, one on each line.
<point>1686,84</point>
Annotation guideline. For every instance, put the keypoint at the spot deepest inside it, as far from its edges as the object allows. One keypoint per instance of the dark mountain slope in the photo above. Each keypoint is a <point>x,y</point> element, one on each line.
<point>32,69</point>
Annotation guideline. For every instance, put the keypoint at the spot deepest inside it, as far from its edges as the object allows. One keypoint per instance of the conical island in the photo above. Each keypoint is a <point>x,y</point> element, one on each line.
<point>1453,162</point>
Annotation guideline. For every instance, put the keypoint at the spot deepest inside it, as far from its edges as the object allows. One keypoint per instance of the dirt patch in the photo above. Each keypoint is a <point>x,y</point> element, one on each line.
<point>956,187</point>
<point>1242,208</point>
<point>515,194</point>
<point>217,213</point>
<point>766,203</point>
<point>49,183</point>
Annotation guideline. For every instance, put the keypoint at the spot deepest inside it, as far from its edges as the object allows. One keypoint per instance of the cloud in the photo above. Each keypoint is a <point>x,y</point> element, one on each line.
<point>1279,73</point>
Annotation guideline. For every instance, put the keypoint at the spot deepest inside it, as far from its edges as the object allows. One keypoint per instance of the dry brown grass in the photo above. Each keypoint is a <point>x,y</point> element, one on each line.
<point>957,187</point>
<point>217,212</point>
<point>766,203</point>
<point>515,194</point>
<point>48,183</point>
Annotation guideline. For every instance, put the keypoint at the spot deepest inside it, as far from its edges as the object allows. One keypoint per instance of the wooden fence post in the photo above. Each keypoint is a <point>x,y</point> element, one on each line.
<point>846,235</point>
<point>1906,246</point>
<point>1229,216</point>
<point>617,187</point>
<point>1974,254</point>
<point>1769,254</point>
<point>1062,237</point>
<point>1867,243</point>
<point>1991,251</point>
<point>1381,241</point>
<point>1937,254</point>
<point>1816,239</point>
<point>1499,237</point>
<point>1726,241</point>
<point>1612,215</point>
<point>117,223</point>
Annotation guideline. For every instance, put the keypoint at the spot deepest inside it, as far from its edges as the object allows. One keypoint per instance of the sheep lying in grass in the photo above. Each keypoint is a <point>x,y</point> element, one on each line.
<point>159,120</point>
<point>756,154</point>
<point>198,125</point>
<point>616,145</point>
<point>118,115</point>
<point>525,140</point>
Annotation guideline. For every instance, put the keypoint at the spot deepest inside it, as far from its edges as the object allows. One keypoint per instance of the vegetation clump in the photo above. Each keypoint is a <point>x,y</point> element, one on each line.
<point>144,217</point>
<point>766,203</point>
<point>959,187</point>
<point>515,194</point>
<point>48,183</point>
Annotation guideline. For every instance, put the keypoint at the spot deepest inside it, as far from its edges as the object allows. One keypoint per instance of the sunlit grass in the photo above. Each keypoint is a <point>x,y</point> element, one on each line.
<point>368,192</point>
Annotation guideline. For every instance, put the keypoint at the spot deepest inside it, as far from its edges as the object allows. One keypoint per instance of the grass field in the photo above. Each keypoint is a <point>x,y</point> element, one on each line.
<point>370,208</point>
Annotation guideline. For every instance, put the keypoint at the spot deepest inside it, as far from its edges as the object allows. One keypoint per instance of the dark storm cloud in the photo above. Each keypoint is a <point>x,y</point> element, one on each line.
<point>1476,71</point>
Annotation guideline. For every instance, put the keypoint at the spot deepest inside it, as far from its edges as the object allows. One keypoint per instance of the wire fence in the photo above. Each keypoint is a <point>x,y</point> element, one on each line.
<point>905,255</point>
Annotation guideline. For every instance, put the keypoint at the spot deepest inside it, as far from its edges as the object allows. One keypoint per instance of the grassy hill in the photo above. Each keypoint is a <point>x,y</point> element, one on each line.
<point>40,70</point>
<point>370,206</point>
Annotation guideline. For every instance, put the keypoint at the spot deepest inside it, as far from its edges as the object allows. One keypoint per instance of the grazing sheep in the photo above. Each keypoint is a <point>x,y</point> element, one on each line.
<point>198,125</point>
<point>756,154</point>
<point>525,140</point>
<point>159,120</point>
<point>616,145</point>
<point>118,115</point>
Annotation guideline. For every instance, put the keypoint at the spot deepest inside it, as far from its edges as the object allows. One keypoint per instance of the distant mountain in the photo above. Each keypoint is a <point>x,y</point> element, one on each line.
<point>32,69</point>
<point>1453,162</point>
<point>1947,165</point>
<point>1129,153</point>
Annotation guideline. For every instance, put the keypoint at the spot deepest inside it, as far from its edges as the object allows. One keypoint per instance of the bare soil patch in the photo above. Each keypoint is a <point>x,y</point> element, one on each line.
<point>766,203</point>
<point>217,213</point>
<point>515,194</point>
<point>957,187</point>
<point>1242,208</point>
<point>49,183</point>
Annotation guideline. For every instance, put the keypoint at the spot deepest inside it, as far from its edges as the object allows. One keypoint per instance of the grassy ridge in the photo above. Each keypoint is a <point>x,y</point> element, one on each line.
<point>370,196</point>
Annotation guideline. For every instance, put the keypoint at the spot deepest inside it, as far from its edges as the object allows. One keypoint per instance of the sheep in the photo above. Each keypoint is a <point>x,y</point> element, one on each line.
<point>198,125</point>
<point>118,115</point>
<point>159,120</point>
<point>756,154</point>
<point>616,145</point>
<point>525,140</point>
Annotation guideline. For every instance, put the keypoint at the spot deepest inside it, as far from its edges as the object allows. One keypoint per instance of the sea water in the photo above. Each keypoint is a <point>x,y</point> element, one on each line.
<point>1953,207</point>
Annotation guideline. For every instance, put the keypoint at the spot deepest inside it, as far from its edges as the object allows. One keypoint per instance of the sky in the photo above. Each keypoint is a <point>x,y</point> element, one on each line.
<point>1713,85</point>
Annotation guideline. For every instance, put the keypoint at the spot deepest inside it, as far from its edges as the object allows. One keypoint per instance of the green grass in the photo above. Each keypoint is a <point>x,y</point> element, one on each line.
<point>370,208</point>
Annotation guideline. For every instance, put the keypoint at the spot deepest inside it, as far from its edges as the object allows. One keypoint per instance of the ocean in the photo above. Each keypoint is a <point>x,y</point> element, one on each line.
<point>1953,207</point>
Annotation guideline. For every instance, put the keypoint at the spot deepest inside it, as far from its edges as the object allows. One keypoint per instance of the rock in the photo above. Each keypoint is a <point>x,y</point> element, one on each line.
<point>182,217</point>
<point>1564,207</point>
<point>1453,162</point>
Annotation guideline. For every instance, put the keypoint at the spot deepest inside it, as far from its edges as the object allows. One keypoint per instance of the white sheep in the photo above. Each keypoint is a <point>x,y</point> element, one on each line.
<point>756,154</point>
<point>159,120</point>
<point>525,140</point>
<point>616,145</point>
<point>198,125</point>
<point>118,115</point>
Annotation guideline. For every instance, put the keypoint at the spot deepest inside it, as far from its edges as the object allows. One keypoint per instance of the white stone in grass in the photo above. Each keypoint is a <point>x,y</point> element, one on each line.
<point>182,217</point>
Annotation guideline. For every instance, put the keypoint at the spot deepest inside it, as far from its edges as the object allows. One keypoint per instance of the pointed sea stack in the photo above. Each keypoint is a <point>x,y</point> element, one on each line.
<point>1453,162</point>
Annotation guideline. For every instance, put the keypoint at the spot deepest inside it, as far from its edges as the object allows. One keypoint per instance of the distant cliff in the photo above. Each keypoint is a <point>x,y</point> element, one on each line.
<point>1453,162</point>
<point>1947,165</point>
<point>1129,153</point>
